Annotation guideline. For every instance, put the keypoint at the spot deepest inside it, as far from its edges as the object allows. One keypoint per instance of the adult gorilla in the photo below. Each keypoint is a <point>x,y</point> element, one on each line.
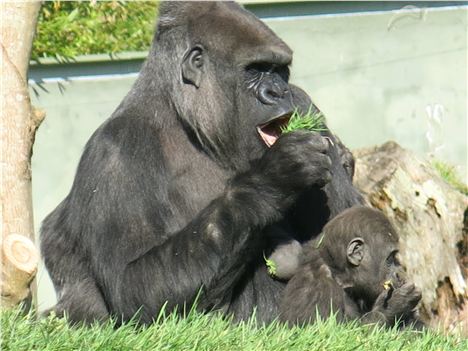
<point>179,189</point>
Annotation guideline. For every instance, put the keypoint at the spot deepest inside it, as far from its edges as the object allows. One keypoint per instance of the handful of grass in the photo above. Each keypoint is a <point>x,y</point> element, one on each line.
<point>388,284</point>
<point>314,122</point>
<point>271,266</point>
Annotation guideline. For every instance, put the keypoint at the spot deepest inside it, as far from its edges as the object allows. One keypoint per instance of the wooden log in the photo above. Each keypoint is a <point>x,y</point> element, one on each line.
<point>432,220</point>
<point>19,266</point>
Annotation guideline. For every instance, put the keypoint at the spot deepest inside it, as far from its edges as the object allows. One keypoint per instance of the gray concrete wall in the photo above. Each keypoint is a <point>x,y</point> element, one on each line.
<point>378,72</point>
<point>398,75</point>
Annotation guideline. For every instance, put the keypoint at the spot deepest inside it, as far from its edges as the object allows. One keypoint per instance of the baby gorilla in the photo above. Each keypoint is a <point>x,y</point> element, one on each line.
<point>352,270</point>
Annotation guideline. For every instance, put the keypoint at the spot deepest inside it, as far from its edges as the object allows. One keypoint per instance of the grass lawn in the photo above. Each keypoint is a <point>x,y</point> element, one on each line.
<point>211,332</point>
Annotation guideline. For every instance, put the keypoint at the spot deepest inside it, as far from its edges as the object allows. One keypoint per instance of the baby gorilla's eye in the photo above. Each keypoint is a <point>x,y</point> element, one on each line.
<point>392,259</point>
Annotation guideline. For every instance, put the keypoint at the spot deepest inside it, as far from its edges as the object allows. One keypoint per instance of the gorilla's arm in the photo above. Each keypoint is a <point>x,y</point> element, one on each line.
<point>395,305</point>
<point>313,291</point>
<point>213,250</point>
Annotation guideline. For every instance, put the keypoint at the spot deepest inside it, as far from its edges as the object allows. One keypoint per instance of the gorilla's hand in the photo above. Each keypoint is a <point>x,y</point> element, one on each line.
<point>347,158</point>
<point>396,304</point>
<point>297,160</point>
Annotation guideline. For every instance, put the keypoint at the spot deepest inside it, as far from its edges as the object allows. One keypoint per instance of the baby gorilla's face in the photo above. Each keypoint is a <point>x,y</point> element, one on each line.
<point>380,269</point>
<point>391,272</point>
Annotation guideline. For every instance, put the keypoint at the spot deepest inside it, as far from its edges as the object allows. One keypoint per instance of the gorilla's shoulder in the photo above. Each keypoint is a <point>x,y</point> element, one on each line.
<point>116,145</point>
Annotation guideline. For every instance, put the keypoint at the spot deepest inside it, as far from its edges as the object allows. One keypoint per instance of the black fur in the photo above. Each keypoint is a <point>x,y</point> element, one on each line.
<point>176,191</point>
<point>331,279</point>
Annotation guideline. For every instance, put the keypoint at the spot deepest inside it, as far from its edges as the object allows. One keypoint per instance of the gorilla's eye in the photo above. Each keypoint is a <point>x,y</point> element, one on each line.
<point>283,71</point>
<point>257,69</point>
<point>260,67</point>
<point>392,259</point>
<point>255,73</point>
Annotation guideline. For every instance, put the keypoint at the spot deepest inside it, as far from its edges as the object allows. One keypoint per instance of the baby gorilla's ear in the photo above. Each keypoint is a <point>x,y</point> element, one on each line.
<point>355,251</point>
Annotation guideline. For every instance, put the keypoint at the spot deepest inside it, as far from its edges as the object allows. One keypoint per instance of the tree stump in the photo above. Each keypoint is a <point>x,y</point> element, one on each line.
<point>18,124</point>
<point>432,220</point>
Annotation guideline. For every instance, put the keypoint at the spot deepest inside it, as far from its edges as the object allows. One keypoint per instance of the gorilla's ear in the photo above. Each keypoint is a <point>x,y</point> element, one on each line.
<point>192,65</point>
<point>355,251</point>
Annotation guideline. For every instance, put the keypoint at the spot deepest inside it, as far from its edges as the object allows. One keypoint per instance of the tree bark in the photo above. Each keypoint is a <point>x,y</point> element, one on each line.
<point>19,122</point>
<point>432,220</point>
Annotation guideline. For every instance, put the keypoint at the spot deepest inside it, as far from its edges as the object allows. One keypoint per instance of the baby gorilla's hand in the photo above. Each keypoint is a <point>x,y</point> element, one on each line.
<point>397,303</point>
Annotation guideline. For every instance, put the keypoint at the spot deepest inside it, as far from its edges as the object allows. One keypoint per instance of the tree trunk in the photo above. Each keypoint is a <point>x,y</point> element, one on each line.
<point>19,122</point>
<point>431,218</point>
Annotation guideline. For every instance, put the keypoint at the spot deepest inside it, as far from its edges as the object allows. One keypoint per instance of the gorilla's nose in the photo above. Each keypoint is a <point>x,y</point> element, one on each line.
<point>270,93</point>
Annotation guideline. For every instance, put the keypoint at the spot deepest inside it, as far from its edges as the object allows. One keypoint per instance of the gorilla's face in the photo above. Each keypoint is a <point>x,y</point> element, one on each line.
<point>267,85</point>
<point>264,102</point>
<point>383,269</point>
<point>234,91</point>
<point>379,267</point>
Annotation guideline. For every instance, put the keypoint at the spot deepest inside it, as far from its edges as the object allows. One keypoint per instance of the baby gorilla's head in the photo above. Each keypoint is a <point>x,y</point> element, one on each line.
<point>360,246</point>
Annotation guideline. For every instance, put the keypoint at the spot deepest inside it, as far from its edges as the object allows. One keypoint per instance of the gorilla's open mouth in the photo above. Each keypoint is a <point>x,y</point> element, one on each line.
<point>271,131</point>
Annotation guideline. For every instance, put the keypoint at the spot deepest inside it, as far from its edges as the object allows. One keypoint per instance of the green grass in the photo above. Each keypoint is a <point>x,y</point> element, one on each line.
<point>70,28</point>
<point>211,332</point>
<point>271,266</point>
<point>450,175</point>
<point>310,121</point>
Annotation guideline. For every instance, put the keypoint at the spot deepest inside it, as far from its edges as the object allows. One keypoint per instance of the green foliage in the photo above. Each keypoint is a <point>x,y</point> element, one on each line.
<point>212,332</point>
<point>449,174</point>
<point>271,266</point>
<point>314,122</point>
<point>319,242</point>
<point>70,28</point>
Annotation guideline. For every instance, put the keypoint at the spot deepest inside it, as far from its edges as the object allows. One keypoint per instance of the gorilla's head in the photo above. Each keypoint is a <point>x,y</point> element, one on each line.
<point>361,247</point>
<point>228,75</point>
